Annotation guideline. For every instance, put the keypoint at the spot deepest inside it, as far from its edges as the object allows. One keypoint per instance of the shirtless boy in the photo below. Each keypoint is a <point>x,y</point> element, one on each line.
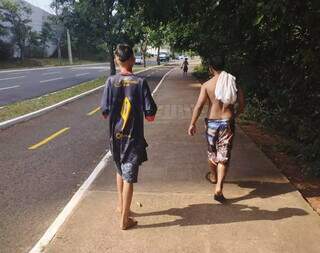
<point>219,125</point>
<point>126,102</point>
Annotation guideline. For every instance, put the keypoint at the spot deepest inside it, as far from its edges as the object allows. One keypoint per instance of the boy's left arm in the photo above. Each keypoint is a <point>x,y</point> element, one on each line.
<point>149,106</point>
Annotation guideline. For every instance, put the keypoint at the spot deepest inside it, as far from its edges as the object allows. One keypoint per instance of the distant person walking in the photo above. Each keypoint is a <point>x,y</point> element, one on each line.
<point>184,67</point>
<point>222,94</point>
<point>126,101</point>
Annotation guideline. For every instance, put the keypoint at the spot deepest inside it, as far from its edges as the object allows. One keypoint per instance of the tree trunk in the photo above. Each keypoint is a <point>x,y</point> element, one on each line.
<point>59,50</point>
<point>44,53</point>
<point>173,53</point>
<point>112,64</point>
<point>143,51</point>
<point>21,52</point>
<point>158,56</point>
<point>144,59</point>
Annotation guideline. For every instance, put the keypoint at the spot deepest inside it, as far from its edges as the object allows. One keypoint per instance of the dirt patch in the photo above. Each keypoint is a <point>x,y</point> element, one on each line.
<point>308,186</point>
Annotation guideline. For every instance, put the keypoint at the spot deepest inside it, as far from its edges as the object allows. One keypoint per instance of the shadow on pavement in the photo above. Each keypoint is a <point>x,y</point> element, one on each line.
<point>262,190</point>
<point>208,214</point>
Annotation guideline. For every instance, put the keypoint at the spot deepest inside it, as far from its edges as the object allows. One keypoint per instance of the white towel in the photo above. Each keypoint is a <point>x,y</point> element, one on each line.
<point>226,90</point>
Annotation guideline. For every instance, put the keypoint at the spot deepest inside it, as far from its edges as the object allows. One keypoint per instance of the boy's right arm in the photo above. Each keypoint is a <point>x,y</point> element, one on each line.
<point>149,106</point>
<point>202,99</point>
<point>106,99</point>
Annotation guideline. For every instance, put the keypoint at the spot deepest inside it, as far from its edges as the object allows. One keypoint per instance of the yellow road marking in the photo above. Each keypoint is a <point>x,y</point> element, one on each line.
<point>93,111</point>
<point>51,137</point>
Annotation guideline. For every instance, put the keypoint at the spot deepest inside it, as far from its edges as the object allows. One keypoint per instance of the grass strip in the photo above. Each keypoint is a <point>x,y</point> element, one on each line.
<point>23,107</point>
<point>46,62</point>
<point>20,108</point>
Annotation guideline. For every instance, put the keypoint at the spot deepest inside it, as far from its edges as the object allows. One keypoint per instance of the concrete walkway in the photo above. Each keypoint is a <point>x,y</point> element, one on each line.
<point>178,213</point>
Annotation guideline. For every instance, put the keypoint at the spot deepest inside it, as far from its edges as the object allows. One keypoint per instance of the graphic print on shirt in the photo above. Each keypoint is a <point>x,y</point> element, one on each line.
<point>125,112</point>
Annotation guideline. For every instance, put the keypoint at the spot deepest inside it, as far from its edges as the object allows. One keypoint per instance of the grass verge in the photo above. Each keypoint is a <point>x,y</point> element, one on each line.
<point>20,108</point>
<point>45,62</point>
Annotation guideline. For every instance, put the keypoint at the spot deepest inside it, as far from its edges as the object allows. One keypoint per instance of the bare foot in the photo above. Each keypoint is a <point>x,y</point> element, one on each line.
<point>129,224</point>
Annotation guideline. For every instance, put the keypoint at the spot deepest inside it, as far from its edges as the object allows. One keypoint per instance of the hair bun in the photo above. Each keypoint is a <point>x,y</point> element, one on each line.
<point>123,52</point>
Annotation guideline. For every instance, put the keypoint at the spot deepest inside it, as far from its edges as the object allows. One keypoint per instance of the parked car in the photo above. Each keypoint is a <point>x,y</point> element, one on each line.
<point>181,57</point>
<point>139,60</point>
<point>164,56</point>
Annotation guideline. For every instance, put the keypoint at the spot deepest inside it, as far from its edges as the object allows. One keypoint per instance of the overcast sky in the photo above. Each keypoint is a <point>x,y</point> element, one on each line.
<point>43,4</point>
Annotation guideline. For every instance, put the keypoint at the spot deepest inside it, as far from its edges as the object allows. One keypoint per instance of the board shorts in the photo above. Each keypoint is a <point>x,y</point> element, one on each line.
<point>219,135</point>
<point>185,69</point>
<point>128,172</point>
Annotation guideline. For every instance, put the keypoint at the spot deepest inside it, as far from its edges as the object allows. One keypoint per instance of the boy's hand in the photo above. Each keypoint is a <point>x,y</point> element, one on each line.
<point>150,118</point>
<point>192,130</point>
<point>105,116</point>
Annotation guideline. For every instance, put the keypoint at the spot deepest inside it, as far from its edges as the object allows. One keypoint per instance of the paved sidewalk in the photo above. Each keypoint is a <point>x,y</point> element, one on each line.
<point>178,213</point>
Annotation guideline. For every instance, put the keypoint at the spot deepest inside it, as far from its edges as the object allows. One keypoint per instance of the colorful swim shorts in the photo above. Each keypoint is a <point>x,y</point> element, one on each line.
<point>128,172</point>
<point>219,137</point>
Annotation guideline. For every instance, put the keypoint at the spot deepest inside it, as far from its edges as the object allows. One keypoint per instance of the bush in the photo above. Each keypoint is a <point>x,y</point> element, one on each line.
<point>6,51</point>
<point>201,72</point>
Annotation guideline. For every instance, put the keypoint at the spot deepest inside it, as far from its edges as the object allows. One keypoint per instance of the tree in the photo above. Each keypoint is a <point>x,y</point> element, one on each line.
<point>57,23</point>
<point>46,35</point>
<point>157,38</point>
<point>34,45</point>
<point>108,24</point>
<point>17,15</point>
<point>3,29</point>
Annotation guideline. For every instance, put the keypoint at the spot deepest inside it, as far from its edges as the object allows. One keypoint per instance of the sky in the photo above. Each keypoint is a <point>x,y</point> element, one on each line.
<point>43,4</point>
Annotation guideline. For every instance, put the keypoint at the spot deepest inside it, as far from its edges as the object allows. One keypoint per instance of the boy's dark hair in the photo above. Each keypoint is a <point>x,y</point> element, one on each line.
<point>124,52</point>
<point>216,62</point>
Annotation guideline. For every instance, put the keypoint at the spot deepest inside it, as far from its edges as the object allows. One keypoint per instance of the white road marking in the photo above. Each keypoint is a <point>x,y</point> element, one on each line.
<point>77,197</point>
<point>10,87</point>
<point>50,80</point>
<point>91,68</point>
<point>161,81</point>
<point>67,210</point>
<point>11,78</point>
<point>82,74</point>
<point>13,74</point>
<point>51,73</point>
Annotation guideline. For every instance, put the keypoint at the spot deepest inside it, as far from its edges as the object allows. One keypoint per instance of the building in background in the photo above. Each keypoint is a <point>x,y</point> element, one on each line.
<point>38,17</point>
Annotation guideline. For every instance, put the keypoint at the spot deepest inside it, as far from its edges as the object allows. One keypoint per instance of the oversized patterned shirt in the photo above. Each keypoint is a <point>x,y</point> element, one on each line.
<point>127,100</point>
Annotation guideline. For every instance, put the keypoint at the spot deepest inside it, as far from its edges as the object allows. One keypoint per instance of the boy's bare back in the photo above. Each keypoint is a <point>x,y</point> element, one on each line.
<point>216,108</point>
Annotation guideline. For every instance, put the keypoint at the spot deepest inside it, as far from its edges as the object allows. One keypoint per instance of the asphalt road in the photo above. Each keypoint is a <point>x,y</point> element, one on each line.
<point>36,184</point>
<point>21,84</point>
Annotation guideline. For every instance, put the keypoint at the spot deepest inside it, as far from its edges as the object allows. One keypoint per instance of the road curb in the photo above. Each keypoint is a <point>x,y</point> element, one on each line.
<point>31,115</point>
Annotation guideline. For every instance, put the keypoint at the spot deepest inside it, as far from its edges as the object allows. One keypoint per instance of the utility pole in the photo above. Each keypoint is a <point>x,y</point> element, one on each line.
<point>69,47</point>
